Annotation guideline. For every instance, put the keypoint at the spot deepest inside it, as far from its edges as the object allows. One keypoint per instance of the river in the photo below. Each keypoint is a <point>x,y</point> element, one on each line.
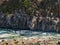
<point>9,33</point>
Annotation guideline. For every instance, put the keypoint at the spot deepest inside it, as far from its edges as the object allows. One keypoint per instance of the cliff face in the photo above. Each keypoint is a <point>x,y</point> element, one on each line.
<point>46,24</point>
<point>22,21</point>
<point>14,20</point>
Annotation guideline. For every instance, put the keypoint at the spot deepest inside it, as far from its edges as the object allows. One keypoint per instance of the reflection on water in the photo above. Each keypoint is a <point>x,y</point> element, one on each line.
<point>27,33</point>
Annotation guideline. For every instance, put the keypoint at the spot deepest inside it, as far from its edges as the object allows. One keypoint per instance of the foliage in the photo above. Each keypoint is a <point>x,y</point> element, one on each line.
<point>26,3</point>
<point>11,5</point>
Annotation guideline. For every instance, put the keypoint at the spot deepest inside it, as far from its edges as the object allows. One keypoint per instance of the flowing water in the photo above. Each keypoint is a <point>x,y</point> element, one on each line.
<point>9,33</point>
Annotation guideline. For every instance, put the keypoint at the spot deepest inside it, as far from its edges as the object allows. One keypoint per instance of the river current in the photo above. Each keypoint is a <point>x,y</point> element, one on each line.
<point>9,33</point>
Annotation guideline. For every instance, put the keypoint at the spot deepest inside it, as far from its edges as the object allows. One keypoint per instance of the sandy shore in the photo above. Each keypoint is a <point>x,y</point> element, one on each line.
<point>30,41</point>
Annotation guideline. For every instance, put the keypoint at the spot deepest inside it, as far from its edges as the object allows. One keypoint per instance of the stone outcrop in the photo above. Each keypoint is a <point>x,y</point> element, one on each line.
<point>23,21</point>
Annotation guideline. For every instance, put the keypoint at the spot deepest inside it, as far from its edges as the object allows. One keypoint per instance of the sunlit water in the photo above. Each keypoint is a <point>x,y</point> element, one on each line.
<point>8,34</point>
